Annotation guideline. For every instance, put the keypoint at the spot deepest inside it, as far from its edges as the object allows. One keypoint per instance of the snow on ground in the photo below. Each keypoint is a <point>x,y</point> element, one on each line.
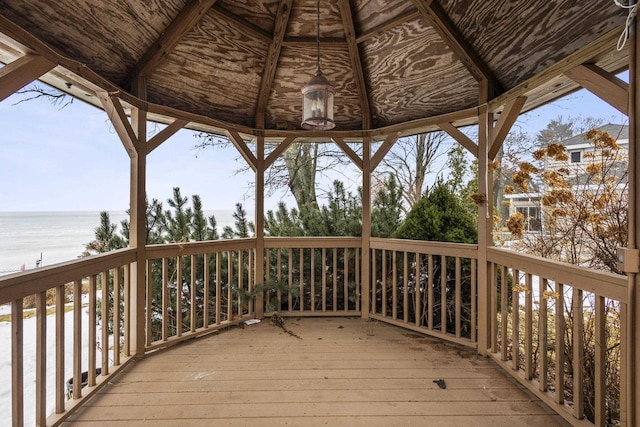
<point>30,363</point>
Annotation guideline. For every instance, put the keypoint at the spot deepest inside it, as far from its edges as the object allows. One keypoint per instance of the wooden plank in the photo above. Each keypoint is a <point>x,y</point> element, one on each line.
<point>17,363</point>
<point>406,16</point>
<point>344,7</point>
<point>339,42</point>
<point>179,266</point>
<point>60,350</point>
<point>193,291</point>
<point>506,120</point>
<point>515,328</point>
<point>112,106</point>
<point>116,316</point>
<point>312,256</point>
<point>443,294</point>
<point>126,348</point>
<point>77,339</point>
<point>19,73</point>
<point>436,248</point>
<point>458,298</point>
<point>279,276</point>
<point>243,24</point>
<point>290,280</point>
<point>374,281</point>
<point>166,133</point>
<point>560,345</point>
<point>324,279</point>
<point>528,329</point>
<point>92,333</point>
<point>578,354</point>
<point>242,147</point>
<point>240,283</point>
<point>207,291</point>
<point>494,306</point>
<point>104,323</point>
<point>394,285</point>
<point>165,299</point>
<point>273,55</point>
<point>543,321</point>
<point>149,303</point>
<point>301,270</point>
<point>430,297</point>
<point>418,291</point>
<point>335,279</point>
<point>187,19</point>
<point>604,85</point>
<point>474,301</point>
<point>460,137</point>
<point>405,288</point>
<point>229,281</point>
<point>384,283</point>
<point>345,289</point>
<point>358,295</point>
<point>388,143</point>
<point>281,148</point>
<point>41,359</point>
<point>600,376</point>
<point>218,288</point>
<point>504,313</point>
<point>348,151</point>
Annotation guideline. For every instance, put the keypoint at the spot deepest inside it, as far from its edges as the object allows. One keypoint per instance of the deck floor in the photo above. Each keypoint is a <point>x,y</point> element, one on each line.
<point>337,371</point>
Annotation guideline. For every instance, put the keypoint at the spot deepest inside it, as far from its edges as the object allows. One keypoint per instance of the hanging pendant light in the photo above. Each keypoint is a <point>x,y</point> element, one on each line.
<point>317,94</point>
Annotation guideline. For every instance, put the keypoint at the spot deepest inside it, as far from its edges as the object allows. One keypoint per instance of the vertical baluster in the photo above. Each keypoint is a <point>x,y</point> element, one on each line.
<point>374,282</point>
<point>193,291</point>
<point>335,279</point>
<point>443,294</point>
<point>430,296</point>
<point>165,299</point>
<point>357,289</point>
<point>504,313</point>
<point>459,298</point>
<point>279,275</point>
<point>493,303</point>
<point>116,316</point>
<point>515,333</point>
<point>542,334</point>
<point>229,281</point>
<point>289,292</point>
<point>578,354</point>
<point>528,329</point>
<point>250,281</point>
<point>600,362</point>
<point>624,368</point>
<point>312,251</point>
<point>345,291</point>
<point>91,380</point>
<point>301,260</point>
<point>179,296</point>
<point>41,359</point>
<point>17,364</point>
<point>560,346</point>
<point>405,295</point>
<point>240,282</point>
<point>218,287</point>
<point>127,309</point>
<point>267,275</point>
<point>394,285</point>
<point>149,301</point>
<point>324,279</point>
<point>60,341</point>
<point>105,324</point>
<point>384,283</point>
<point>474,302</point>
<point>77,339</point>
<point>416,289</point>
<point>205,298</point>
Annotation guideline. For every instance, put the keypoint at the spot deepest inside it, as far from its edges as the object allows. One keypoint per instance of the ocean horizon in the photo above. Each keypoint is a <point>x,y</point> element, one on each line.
<point>43,238</point>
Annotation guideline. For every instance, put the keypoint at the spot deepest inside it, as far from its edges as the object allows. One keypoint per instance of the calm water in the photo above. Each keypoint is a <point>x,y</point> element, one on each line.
<point>58,236</point>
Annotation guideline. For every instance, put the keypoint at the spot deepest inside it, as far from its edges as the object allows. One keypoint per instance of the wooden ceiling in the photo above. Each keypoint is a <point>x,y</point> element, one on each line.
<point>243,62</point>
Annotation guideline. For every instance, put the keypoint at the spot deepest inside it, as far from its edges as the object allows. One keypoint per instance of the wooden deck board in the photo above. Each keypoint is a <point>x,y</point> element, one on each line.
<point>341,372</point>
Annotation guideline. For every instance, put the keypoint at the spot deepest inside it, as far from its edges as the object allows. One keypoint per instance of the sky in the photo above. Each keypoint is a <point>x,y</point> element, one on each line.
<point>70,159</point>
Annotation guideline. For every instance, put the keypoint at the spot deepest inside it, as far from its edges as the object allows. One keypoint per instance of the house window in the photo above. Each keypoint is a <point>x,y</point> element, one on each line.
<point>575,156</point>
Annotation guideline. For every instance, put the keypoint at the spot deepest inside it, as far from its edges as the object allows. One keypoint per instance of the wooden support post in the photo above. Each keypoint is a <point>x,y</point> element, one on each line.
<point>366,226</point>
<point>21,72</point>
<point>259,221</point>
<point>484,126</point>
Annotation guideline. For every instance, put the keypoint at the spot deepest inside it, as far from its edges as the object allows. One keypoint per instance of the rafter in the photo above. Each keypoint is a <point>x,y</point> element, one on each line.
<point>273,55</point>
<point>165,134</point>
<point>242,147</point>
<point>460,137</point>
<point>456,41</point>
<point>348,151</point>
<point>603,84</point>
<point>112,106</point>
<point>188,17</point>
<point>311,41</point>
<point>242,23</point>
<point>385,26</point>
<point>278,151</point>
<point>507,119</point>
<point>382,151</point>
<point>356,63</point>
<point>19,73</point>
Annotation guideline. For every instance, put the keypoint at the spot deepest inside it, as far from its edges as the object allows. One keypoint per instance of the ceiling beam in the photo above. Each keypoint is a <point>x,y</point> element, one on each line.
<point>453,37</point>
<point>19,73</point>
<point>386,26</point>
<point>188,18</point>
<point>242,23</point>
<point>507,118</point>
<point>311,42</point>
<point>356,63</point>
<point>348,151</point>
<point>460,137</point>
<point>112,106</point>
<point>602,84</point>
<point>273,55</point>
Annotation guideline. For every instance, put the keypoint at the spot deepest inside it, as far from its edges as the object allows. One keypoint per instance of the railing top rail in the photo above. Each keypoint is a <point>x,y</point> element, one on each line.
<point>20,285</point>
<point>601,283</point>
<point>462,250</point>
<point>312,242</point>
<point>196,248</point>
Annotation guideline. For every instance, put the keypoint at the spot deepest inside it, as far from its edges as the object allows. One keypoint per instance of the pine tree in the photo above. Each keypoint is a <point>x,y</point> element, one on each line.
<point>387,209</point>
<point>178,223</point>
<point>106,237</point>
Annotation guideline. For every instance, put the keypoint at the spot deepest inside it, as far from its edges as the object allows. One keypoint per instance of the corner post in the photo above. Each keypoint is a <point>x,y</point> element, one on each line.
<point>365,265</point>
<point>259,221</point>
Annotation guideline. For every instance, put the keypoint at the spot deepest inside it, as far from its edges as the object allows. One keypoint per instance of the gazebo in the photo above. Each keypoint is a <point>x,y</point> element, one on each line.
<point>396,68</point>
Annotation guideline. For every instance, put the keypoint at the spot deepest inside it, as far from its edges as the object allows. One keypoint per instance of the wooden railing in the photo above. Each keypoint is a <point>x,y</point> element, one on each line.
<point>560,329</point>
<point>110,272</point>
<point>316,276</point>
<point>428,287</point>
